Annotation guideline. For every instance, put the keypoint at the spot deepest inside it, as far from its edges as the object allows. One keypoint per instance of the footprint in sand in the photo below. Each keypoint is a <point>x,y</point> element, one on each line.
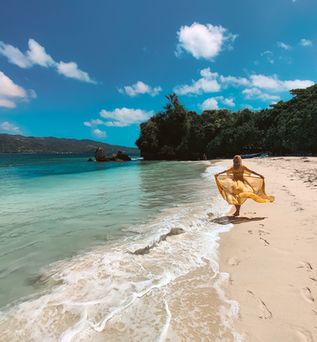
<point>307,295</point>
<point>304,335</point>
<point>265,313</point>
<point>263,310</point>
<point>263,232</point>
<point>233,261</point>
<point>266,243</point>
<point>306,265</point>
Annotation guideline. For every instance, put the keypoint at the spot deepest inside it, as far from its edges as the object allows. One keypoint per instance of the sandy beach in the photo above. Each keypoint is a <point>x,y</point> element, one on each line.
<point>271,256</point>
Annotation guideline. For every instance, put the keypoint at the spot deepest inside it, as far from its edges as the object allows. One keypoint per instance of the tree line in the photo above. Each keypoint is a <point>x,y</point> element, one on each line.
<point>287,127</point>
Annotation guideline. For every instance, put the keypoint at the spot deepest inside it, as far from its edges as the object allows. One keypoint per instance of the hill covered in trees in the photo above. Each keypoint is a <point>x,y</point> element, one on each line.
<point>19,143</point>
<point>288,127</point>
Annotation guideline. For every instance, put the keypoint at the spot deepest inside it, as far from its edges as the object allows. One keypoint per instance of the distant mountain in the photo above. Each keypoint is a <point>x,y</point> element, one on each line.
<point>18,143</point>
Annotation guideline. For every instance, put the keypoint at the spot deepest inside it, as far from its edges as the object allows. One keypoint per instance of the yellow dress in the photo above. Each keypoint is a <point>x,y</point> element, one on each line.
<point>236,186</point>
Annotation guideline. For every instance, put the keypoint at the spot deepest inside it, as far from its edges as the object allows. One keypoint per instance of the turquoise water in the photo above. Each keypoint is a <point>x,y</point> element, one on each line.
<point>55,207</point>
<point>86,252</point>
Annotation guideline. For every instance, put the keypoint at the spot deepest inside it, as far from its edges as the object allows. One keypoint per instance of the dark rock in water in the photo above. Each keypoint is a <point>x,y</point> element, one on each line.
<point>176,231</point>
<point>42,280</point>
<point>121,156</point>
<point>142,251</point>
<point>90,160</point>
<point>100,155</point>
<point>147,249</point>
<point>173,231</point>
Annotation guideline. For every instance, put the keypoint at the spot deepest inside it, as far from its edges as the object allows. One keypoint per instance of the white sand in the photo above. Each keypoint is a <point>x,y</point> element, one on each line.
<point>271,254</point>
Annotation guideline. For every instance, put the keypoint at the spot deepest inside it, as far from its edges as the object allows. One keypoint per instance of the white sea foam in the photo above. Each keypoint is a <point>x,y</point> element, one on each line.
<point>107,290</point>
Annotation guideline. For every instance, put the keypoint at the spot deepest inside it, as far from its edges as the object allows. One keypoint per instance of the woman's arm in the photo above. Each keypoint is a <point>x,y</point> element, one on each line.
<point>225,171</point>
<point>253,172</point>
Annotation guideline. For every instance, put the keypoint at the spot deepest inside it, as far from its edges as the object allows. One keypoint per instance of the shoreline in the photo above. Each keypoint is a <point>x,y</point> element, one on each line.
<point>170,291</point>
<point>270,254</point>
<point>220,279</point>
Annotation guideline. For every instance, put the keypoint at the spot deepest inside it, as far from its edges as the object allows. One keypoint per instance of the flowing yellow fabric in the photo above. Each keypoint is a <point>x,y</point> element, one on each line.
<point>238,185</point>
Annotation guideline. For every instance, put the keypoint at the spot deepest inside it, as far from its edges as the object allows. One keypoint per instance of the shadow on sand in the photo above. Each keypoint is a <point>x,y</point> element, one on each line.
<point>236,219</point>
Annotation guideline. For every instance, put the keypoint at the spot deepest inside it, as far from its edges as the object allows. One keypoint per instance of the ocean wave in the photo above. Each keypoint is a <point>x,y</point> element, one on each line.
<point>125,289</point>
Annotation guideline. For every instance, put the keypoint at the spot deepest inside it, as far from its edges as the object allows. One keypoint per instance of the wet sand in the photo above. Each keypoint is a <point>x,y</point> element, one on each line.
<point>271,254</point>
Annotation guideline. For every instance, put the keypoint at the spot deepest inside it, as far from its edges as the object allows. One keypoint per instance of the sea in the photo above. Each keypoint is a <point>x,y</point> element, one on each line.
<point>111,251</point>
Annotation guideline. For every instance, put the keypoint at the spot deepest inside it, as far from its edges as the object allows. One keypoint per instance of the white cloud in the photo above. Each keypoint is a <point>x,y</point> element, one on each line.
<point>265,82</point>
<point>5,103</point>
<point>121,117</point>
<point>14,55</point>
<point>206,84</point>
<point>284,46</point>
<point>140,88</point>
<point>305,42</point>
<point>71,70</point>
<point>36,55</point>
<point>10,92</point>
<point>257,94</point>
<point>99,133</point>
<point>272,83</point>
<point>229,102</point>
<point>7,127</point>
<point>213,82</point>
<point>8,88</point>
<point>269,56</point>
<point>213,103</point>
<point>234,81</point>
<point>297,84</point>
<point>94,122</point>
<point>203,41</point>
<point>210,104</point>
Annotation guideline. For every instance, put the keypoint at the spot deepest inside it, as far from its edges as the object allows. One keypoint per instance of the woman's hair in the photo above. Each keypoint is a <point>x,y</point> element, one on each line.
<point>237,161</point>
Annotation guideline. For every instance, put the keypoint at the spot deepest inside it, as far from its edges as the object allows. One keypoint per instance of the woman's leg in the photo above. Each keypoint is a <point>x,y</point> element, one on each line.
<point>237,212</point>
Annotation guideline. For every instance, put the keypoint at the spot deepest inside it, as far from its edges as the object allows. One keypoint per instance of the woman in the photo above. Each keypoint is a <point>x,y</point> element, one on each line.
<point>239,184</point>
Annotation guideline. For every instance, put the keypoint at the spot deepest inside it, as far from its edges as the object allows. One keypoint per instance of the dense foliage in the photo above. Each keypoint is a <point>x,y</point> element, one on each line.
<point>285,128</point>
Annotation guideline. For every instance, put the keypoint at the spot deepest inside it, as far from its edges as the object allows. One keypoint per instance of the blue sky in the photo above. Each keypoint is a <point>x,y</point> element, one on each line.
<point>96,69</point>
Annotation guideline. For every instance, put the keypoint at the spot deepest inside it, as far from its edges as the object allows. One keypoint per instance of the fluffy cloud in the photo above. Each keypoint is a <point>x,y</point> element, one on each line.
<point>14,55</point>
<point>99,133</point>
<point>121,117</point>
<point>211,103</point>
<point>305,42</point>
<point>208,83</point>
<point>214,102</point>
<point>272,83</point>
<point>203,41</point>
<point>71,70</point>
<point>36,55</point>
<point>10,93</point>
<point>140,88</point>
<point>229,102</point>
<point>284,46</point>
<point>94,122</point>
<point>234,81</point>
<point>256,86</point>
<point>257,94</point>
<point>7,127</point>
